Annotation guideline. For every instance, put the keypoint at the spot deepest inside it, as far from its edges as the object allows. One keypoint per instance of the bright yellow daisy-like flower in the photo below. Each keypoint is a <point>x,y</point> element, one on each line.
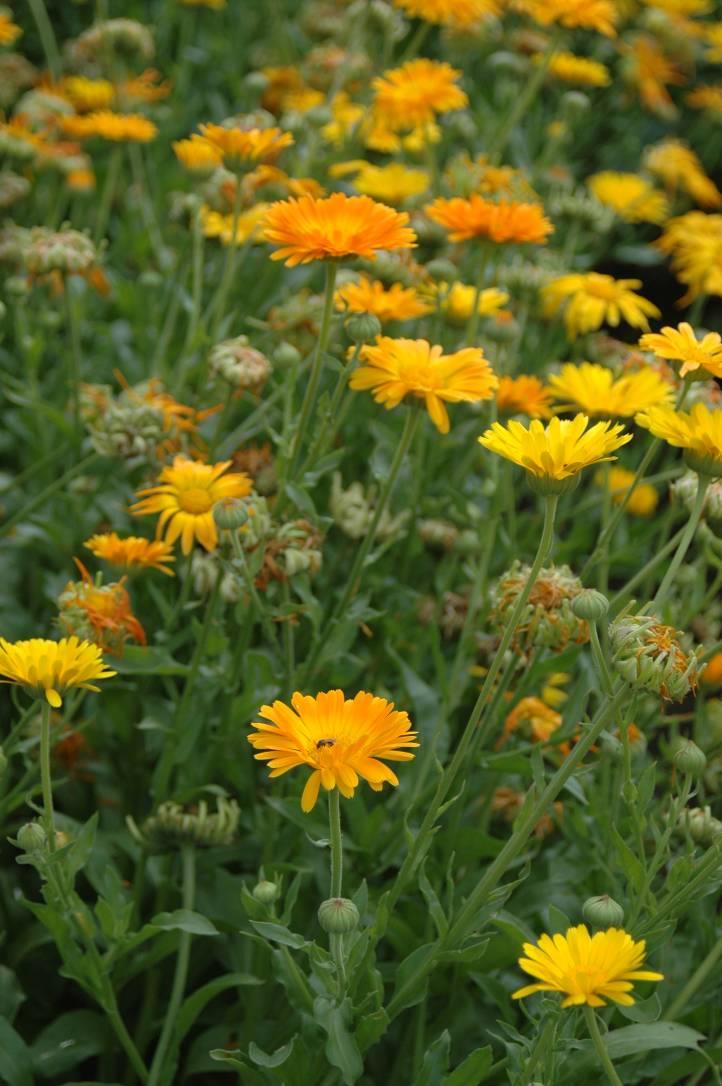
<point>185,495</point>
<point>132,552</point>
<point>694,244</point>
<point>557,451</point>
<point>599,15</point>
<point>246,145</point>
<point>9,31</point>
<point>104,124</point>
<point>589,299</point>
<point>47,669</point>
<point>650,71</point>
<point>86,94</point>
<point>708,98</point>
<point>396,368</point>
<point>681,345</point>
<point>337,226</point>
<point>462,14</point>
<point>392,184</point>
<point>340,739</point>
<point>632,197</point>
<point>414,94</point>
<point>197,153</point>
<point>618,481</point>
<point>457,301</point>
<point>249,224</point>
<point>582,71</point>
<point>680,169</point>
<point>713,37</point>
<point>394,303</point>
<point>596,390</point>
<point>697,431</point>
<point>507,221</point>
<point>586,969</point>
<point>523,395</point>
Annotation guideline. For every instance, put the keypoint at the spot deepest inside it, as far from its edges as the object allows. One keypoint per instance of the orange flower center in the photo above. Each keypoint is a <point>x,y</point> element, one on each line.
<point>195,501</point>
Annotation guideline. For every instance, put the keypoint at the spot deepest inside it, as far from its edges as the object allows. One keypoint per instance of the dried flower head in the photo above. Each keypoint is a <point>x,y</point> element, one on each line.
<point>649,655</point>
<point>547,620</point>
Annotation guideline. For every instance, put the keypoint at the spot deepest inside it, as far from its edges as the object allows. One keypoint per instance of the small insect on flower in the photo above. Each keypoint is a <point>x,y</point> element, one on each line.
<point>48,668</point>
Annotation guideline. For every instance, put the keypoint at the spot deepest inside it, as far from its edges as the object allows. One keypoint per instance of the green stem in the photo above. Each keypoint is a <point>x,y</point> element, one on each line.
<point>472,326</point>
<point>197,287</point>
<point>106,198</point>
<point>188,857</point>
<point>74,358</point>
<point>336,840</point>
<point>599,1046</point>
<point>599,658</point>
<point>703,482</point>
<point>147,207</point>
<point>240,556</point>
<point>638,577</point>
<point>219,302</point>
<point>46,779</point>
<point>522,102</point>
<point>49,490</point>
<point>47,38</point>
<point>329,425</point>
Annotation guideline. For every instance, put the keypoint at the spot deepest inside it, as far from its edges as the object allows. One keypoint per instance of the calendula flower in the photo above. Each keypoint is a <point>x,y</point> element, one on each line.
<point>394,303</point>
<point>456,302</point>
<point>391,184</point>
<point>599,15</point>
<point>185,495</point>
<point>460,14</point>
<point>502,222</point>
<point>586,969</point>
<point>197,153</point>
<point>697,431</point>
<point>523,395</point>
<point>548,619</point>
<point>244,146</point>
<point>104,124</point>
<point>414,94</point>
<point>532,714</point>
<point>596,390</point>
<point>618,481</point>
<point>648,654</point>
<point>648,69</point>
<point>329,229</point>
<point>99,613</point>
<point>681,345</point>
<point>708,98</point>
<point>340,739</point>
<point>396,368</point>
<point>86,95</point>
<point>694,243</point>
<point>590,299</point>
<point>557,451</point>
<point>9,31</point>
<point>131,552</point>
<point>713,37</point>
<point>582,71</point>
<point>681,170</point>
<point>629,195</point>
<point>249,224</point>
<point>47,669</point>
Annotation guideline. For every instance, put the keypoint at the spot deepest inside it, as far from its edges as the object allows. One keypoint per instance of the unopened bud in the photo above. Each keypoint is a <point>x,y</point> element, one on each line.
<point>363,327</point>
<point>31,837</point>
<point>603,912</point>
<point>690,759</point>
<point>286,356</point>
<point>230,513</point>
<point>266,892</point>
<point>338,916</point>
<point>443,270</point>
<point>590,604</point>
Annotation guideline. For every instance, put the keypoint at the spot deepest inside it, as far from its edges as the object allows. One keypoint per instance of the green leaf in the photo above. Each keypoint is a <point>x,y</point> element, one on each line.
<point>630,1040</point>
<point>473,1069</point>
<point>277,933</point>
<point>69,1040</point>
<point>147,660</point>
<point>194,1004</point>
<point>16,1065</point>
<point>184,920</point>
<point>411,977</point>
<point>275,1059</point>
<point>11,994</point>
<point>433,904</point>
<point>231,1056</point>
<point>632,867</point>
<point>436,1061</point>
<point>341,1048</point>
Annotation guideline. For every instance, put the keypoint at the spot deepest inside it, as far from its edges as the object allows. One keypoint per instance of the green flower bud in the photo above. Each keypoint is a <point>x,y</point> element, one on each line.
<point>363,327</point>
<point>31,837</point>
<point>266,892</point>
<point>700,824</point>
<point>574,103</point>
<point>590,604</point>
<point>603,912</point>
<point>690,759</point>
<point>338,916</point>
<point>230,513</point>
<point>286,356</point>
<point>443,270</point>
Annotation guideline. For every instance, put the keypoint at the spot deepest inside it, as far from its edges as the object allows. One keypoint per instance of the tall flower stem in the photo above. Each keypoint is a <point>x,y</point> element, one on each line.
<point>147,207</point>
<point>522,102</point>
<point>336,842</point>
<point>600,1048</point>
<point>316,368</point>
<point>454,767</point>
<point>47,38</point>
<point>472,326</point>
<point>329,424</point>
<point>46,780</point>
<point>108,193</point>
<point>74,358</point>
<point>240,555</point>
<point>703,482</point>
<point>218,305</point>
<point>412,421</point>
<point>188,857</point>
<point>695,982</point>
<point>197,285</point>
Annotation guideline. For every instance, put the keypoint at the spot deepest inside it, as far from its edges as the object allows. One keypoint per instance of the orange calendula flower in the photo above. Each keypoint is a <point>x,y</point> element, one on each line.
<point>595,389</point>
<point>337,226</point>
<point>340,739</point>
<point>586,969</point>
<point>185,495</point>
<point>104,124</point>
<point>460,14</point>
<point>599,15</point>
<point>132,552</point>
<point>394,303</point>
<point>47,669</point>
<point>396,368</point>
<point>505,221</point>
<point>9,31</point>
<point>523,395</point>
<point>414,94</point>
<point>681,345</point>
<point>246,145</point>
<point>99,613</point>
<point>590,299</point>
<point>648,69</point>
<point>540,719</point>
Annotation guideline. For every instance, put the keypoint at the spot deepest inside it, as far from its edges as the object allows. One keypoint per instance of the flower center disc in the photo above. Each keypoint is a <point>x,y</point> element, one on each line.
<point>195,501</point>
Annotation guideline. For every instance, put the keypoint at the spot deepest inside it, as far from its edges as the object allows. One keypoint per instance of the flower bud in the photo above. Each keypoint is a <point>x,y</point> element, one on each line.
<point>603,912</point>
<point>574,103</point>
<point>590,604</point>
<point>700,824</point>
<point>31,837</point>
<point>363,327</point>
<point>230,513</point>
<point>338,916</point>
<point>443,270</point>
<point>690,759</point>
<point>649,655</point>
<point>266,892</point>
<point>286,356</point>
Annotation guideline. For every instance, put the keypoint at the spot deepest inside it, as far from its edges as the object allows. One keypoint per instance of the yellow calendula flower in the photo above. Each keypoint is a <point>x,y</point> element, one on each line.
<point>618,481</point>
<point>394,303</point>
<point>650,71</point>
<point>47,669</point>
<point>589,299</point>
<point>249,225</point>
<point>713,37</point>
<point>457,301</point>
<point>582,71</point>
<point>681,345</point>
<point>131,552</point>
<point>104,124</point>
<point>523,395</point>
<point>341,740</point>
<point>9,31</point>
<point>243,146</point>
<point>681,170</point>
<point>337,226</point>
<point>392,184</point>
<point>586,969</point>
<point>697,431</point>
<point>599,15</point>
<point>459,14</point>
<point>533,715</point>
<point>629,195</point>
<point>557,451</point>
<point>596,390</point>
<point>197,153</point>
<point>396,368</point>
<point>694,244</point>
<point>86,95</point>
<point>185,495</point>
<point>416,93</point>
